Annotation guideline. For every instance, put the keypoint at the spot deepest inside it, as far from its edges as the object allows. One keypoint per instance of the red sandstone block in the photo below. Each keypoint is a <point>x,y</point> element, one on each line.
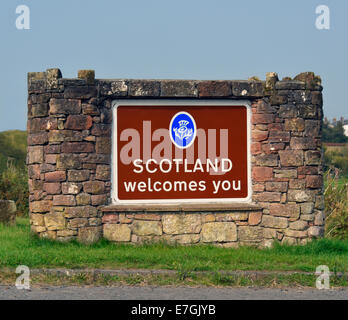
<point>272,147</point>
<point>259,118</point>
<point>64,200</point>
<point>279,136</point>
<point>77,147</point>
<point>254,218</point>
<point>258,187</point>
<point>55,176</point>
<point>314,181</point>
<point>110,218</point>
<point>255,148</point>
<point>262,173</point>
<point>52,187</point>
<point>268,196</point>
<point>307,170</point>
<point>258,135</point>
<point>99,199</point>
<point>79,122</point>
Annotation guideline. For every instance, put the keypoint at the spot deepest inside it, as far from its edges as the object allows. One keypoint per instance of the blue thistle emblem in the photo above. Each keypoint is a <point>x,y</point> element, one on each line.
<point>182,130</point>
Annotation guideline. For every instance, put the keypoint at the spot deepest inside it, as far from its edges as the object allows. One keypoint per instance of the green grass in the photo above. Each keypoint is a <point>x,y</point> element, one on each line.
<point>19,247</point>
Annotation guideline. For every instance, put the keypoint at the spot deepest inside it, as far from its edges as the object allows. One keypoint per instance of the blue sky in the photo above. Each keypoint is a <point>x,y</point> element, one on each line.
<point>188,39</point>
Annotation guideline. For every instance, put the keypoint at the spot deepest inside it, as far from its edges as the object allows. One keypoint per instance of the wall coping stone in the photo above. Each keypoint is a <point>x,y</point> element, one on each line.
<point>208,207</point>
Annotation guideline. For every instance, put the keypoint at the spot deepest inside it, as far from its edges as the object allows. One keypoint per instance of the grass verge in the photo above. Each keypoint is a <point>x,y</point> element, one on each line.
<point>19,247</point>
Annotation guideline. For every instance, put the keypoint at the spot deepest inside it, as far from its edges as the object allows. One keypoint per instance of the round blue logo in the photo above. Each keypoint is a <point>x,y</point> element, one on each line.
<point>182,130</point>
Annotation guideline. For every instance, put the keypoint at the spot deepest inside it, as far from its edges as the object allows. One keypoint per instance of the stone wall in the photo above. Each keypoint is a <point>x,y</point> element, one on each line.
<point>69,157</point>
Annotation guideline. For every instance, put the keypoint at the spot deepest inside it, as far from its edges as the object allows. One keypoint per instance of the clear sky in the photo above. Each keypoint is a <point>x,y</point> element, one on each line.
<point>188,39</point>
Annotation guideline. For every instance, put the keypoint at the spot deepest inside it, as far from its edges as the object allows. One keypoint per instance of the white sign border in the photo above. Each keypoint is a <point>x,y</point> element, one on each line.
<point>176,102</point>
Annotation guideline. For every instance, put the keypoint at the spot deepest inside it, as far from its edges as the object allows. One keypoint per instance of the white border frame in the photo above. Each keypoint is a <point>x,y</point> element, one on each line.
<point>177,102</point>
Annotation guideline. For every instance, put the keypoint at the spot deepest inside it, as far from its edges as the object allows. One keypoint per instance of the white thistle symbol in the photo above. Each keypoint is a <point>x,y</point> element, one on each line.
<point>183,132</point>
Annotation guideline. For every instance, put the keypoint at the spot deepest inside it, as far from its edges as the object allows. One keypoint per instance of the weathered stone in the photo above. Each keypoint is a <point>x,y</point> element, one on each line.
<point>147,228</point>
<point>268,160</point>
<point>269,233</point>
<point>78,175</point>
<point>99,199</point>
<point>56,176</point>
<point>40,206</point>
<point>78,122</point>
<point>110,218</point>
<point>279,136</point>
<point>288,111</point>
<point>285,173</point>
<point>254,218</point>
<point>68,161</point>
<point>294,124</point>
<point>262,173</point>
<point>315,231</point>
<point>233,216</point>
<point>103,172</point>
<point>219,232</point>
<point>246,233</point>
<point>100,129</point>
<point>307,217</point>
<point>298,225</point>
<point>54,221</point>
<point>81,212</point>
<point>274,222</point>
<point>80,92</point>
<point>181,223</point>
<point>214,89</point>
<point>299,143</point>
<point>314,182</point>
<point>291,158</point>
<point>117,232</point>
<point>35,155</point>
<point>77,147</point>
<point>144,88</point>
<point>8,211</point>
<point>83,199</point>
<point>312,157</point>
<point>267,196</point>
<point>307,207</point>
<point>93,187</point>
<point>178,88</point>
<point>103,145</point>
<point>184,238</point>
<point>56,136</point>
<point>71,188</point>
<point>37,219</point>
<point>262,118</point>
<point>65,106</point>
<point>89,235</point>
<point>277,186</point>
<point>247,88</point>
<point>296,233</point>
<point>297,183</point>
<point>258,135</point>
<point>300,195</point>
<point>88,75</point>
<point>52,188</point>
<point>37,138</point>
<point>290,210</point>
<point>319,219</point>
<point>64,200</point>
<point>78,223</point>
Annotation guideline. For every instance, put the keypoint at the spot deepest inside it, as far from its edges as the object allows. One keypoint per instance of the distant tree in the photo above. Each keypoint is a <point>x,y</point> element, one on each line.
<point>334,134</point>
